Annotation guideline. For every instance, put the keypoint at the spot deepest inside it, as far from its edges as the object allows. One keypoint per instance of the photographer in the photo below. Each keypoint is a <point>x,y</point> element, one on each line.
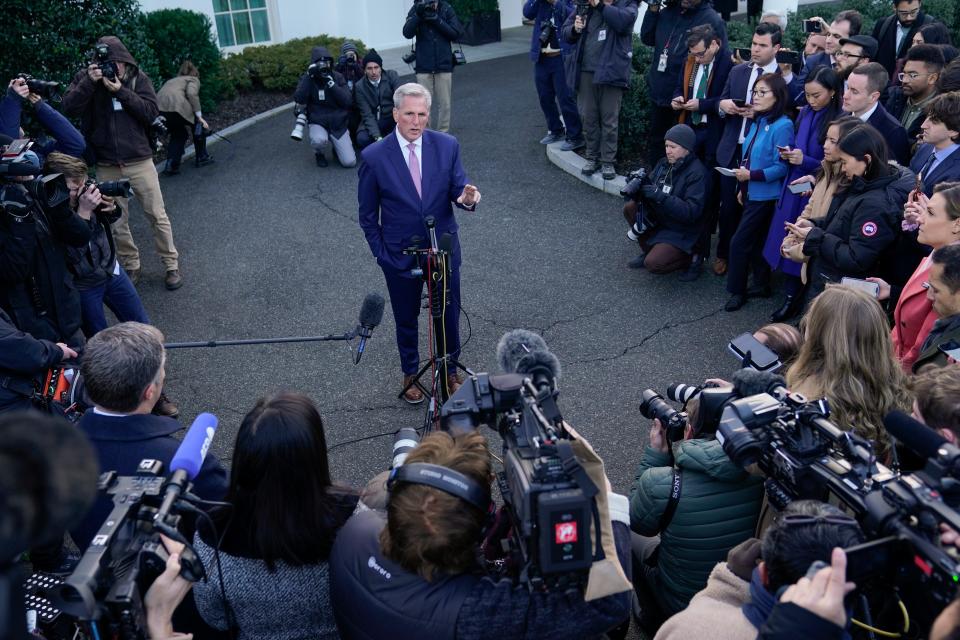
<point>373,95</point>
<point>435,26</point>
<point>124,370</point>
<point>323,96</point>
<point>179,102</point>
<point>671,203</point>
<point>66,138</point>
<point>665,28</point>
<point>717,509</point>
<point>416,575</point>
<point>741,594</point>
<point>23,362</point>
<point>548,50</point>
<point>117,108</point>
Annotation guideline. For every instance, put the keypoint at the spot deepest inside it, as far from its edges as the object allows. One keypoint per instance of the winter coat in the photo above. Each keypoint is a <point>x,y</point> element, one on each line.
<point>116,125</point>
<point>767,170</point>
<point>66,139</point>
<point>861,224</point>
<point>885,33</point>
<point>614,66</point>
<point>180,95</point>
<point>715,612</point>
<point>22,359</point>
<point>327,106</point>
<point>677,214</point>
<point>817,206</point>
<point>93,264</point>
<point>667,29</point>
<point>718,509</point>
<point>434,52</point>
<point>375,103</point>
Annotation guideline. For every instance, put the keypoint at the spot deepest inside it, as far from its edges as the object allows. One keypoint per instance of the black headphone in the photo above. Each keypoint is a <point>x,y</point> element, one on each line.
<point>444,479</point>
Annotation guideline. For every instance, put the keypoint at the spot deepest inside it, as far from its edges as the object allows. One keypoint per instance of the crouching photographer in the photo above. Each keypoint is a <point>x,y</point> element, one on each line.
<point>665,209</point>
<point>323,105</point>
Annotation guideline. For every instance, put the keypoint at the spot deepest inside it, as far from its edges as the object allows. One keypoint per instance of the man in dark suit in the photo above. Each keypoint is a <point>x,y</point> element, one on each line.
<point>895,32</point>
<point>696,98</point>
<point>405,178</point>
<point>936,159</point>
<point>763,59</point>
<point>123,370</point>
<point>862,100</point>
<point>944,294</point>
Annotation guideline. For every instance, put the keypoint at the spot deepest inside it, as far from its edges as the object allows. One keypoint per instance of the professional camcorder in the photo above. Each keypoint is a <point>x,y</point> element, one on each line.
<point>18,196</point>
<point>46,89</point>
<point>100,56</point>
<point>548,496</point>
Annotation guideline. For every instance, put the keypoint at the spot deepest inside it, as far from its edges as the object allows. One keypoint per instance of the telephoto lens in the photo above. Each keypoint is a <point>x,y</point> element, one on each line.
<point>683,392</point>
<point>653,406</point>
<point>297,133</point>
<point>405,441</point>
<point>116,188</point>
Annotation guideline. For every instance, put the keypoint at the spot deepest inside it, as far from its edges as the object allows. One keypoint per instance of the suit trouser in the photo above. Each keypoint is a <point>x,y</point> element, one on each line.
<point>440,86</point>
<point>600,112</point>
<point>730,209</point>
<point>711,201</point>
<point>320,138</point>
<point>746,247</point>
<point>552,88</point>
<point>405,301</point>
<point>146,187</point>
<point>661,119</point>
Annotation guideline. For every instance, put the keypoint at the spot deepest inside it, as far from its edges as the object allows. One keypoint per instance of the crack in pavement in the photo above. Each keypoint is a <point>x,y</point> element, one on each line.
<point>326,205</point>
<point>390,407</point>
<point>585,316</point>
<point>647,338</point>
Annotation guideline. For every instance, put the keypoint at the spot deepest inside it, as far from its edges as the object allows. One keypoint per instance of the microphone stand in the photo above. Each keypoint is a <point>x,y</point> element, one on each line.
<point>442,363</point>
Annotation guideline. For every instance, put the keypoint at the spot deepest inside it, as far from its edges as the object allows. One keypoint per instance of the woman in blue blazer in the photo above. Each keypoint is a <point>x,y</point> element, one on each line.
<point>761,174</point>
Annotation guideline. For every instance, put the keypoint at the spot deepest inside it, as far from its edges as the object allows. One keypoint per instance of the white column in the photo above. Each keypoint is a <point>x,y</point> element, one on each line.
<point>777,6</point>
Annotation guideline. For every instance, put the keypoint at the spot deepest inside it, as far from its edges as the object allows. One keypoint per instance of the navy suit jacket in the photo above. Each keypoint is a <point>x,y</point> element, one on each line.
<point>947,171</point>
<point>391,212</point>
<point>894,133</point>
<point>722,65</point>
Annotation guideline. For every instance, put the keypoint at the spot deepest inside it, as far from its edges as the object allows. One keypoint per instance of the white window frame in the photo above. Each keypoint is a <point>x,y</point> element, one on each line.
<point>272,24</point>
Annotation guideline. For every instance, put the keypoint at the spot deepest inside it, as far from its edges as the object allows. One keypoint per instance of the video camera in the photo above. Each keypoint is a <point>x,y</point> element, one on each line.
<point>548,496</point>
<point>46,89</point>
<point>18,196</point>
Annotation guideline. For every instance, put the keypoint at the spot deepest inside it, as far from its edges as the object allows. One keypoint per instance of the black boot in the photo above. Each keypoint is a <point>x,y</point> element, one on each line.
<point>693,271</point>
<point>321,159</point>
<point>789,308</point>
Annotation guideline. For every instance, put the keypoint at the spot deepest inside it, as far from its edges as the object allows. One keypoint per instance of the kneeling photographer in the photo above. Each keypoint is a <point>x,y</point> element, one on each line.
<point>323,101</point>
<point>694,502</point>
<point>416,574</point>
<point>666,208</point>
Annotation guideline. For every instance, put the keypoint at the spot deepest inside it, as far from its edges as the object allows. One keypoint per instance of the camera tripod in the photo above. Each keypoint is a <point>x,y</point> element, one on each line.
<point>436,272</point>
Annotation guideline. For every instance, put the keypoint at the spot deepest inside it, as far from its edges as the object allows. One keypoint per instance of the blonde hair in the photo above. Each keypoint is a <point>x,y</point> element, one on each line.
<point>847,357</point>
<point>69,166</point>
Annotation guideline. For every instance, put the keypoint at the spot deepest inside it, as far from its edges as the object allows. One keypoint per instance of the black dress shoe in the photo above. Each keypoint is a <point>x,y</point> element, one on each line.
<point>760,291</point>
<point>736,302</point>
<point>321,159</point>
<point>790,307</point>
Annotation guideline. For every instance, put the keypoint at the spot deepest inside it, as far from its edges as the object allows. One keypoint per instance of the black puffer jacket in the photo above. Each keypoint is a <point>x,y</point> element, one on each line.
<point>92,264</point>
<point>434,53</point>
<point>678,213</point>
<point>861,224</point>
<point>327,106</point>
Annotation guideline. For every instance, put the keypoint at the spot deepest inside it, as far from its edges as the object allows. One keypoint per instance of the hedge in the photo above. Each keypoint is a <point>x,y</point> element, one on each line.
<point>465,9</point>
<point>634,120</point>
<point>176,35</point>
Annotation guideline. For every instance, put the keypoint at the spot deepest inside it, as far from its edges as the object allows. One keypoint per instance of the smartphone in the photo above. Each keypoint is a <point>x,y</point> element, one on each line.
<point>871,559</point>
<point>856,283</point>
<point>754,354</point>
<point>782,148</point>
<point>812,26</point>
<point>16,147</point>
<point>952,349</point>
<point>803,187</point>
<point>789,57</point>
<point>740,103</point>
<point>744,54</point>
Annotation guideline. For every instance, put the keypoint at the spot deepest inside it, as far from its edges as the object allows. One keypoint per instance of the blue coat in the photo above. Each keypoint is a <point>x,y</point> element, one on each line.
<point>667,29</point>
<point>765,158</point>
<point>540,12</point>
<point>66,137</point>
<point>613,68</point>
<point>391,212</point>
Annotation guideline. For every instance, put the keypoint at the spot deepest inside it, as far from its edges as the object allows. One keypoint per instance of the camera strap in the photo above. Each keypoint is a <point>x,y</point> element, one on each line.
<point>676,486</point>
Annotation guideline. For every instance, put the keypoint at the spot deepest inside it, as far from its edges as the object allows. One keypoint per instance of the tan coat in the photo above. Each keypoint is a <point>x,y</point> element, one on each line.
<point>715,612</point>
<point>180,95</point>
<point>823,192</point>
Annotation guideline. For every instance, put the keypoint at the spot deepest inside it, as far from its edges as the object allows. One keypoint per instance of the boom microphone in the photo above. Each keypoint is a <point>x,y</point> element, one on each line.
<point>542,366</point>
<point>187,461</point>
<point>749,382</point>
<point>515,344</point>
<point>371,313</point>
<point>915,435</point>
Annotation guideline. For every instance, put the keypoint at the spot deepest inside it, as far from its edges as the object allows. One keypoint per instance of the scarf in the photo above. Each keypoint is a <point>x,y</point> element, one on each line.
<point>761,601</point>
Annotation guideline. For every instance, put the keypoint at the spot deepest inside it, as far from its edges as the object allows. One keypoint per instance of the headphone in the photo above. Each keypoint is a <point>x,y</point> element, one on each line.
<point>444,479</point>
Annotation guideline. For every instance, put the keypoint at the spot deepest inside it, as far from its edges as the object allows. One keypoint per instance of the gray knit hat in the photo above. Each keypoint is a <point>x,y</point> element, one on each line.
<point>349,46</point>
<point>682,135</point>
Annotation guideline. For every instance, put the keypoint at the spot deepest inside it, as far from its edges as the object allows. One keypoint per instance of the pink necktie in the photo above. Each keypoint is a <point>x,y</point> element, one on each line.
<point>414,167</point>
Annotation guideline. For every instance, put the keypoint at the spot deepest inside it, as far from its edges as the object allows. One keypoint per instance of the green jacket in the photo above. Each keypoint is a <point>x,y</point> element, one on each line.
<point>718,509</point>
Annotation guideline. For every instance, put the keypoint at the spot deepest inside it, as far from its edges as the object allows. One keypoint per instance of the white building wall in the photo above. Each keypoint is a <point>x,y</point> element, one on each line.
<point>377,22</point>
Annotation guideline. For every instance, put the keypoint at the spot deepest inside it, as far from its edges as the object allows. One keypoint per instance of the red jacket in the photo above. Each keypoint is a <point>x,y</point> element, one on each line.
<point>913,317</point>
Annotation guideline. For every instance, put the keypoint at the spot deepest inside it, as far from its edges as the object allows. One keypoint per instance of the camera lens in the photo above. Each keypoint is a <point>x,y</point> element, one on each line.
<point>682,392</point>
<point>405,441</point>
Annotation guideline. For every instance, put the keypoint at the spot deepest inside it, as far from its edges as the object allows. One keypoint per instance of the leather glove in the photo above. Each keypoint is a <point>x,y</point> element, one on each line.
<point>743,558</point>
<point>650,192</point>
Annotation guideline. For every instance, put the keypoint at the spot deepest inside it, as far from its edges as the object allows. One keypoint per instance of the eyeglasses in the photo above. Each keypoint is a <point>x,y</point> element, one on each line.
<point>698,55</point>
<point>844,54</point>
<point>760,92</point>
<point>800,520</point>
<point>909,14</point>
<point>913,75</point>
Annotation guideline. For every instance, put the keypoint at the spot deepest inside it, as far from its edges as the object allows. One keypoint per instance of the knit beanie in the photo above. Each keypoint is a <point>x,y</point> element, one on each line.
<point>372,56</point>
<point>682,135</point>
<point>349,46</point>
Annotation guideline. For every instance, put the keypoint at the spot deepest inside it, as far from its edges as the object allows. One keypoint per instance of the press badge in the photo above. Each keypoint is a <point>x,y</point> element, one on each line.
<point>116,105</point>
<point>665,189</point>
<point>662,65</point>
<point>601,35</point>
<point>321,95</point>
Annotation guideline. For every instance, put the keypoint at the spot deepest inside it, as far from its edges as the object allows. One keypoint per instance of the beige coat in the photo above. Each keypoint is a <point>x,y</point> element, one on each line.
<point>817,206</point>
<point>180,95</point>
<point>715,612</point>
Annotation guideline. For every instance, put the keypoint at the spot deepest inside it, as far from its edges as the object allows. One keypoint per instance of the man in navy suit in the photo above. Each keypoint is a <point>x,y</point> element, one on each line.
<point>763,59</point>
<point>405,178</point>
<point>862,100</point>
<point>936,159</point>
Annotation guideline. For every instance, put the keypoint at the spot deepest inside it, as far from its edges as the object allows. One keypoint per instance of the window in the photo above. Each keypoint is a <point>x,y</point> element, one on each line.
<point>241,22</point>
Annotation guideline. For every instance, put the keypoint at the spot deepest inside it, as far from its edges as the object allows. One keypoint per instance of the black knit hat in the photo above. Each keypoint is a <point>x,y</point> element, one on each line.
<point>372,56</point>
<point>682,135</point>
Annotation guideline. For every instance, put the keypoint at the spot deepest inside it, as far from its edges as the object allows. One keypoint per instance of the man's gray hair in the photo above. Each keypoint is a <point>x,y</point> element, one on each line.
<point>780,18</point>
<point>411,90</point>
<point>119,362</point>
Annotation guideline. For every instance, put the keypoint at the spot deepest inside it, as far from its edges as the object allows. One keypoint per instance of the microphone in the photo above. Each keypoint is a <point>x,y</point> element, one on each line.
<point>445,243</point>
<point>749,382</point>
<point>187,461</point>
<point>515,344</point>
<point>542,366</point>
<point>917,436</point>
<point>371,313</point>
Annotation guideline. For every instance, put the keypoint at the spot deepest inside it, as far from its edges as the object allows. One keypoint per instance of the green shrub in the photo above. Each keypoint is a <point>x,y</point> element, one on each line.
<point>277,67</point>
<point>50,39</point>
<point>634,110</point>
<point>177,35</point>
<point>465,9</point>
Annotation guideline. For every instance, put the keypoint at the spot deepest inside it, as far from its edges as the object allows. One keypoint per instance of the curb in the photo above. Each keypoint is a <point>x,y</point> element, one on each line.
<point>570,162</point>
<point>234,128</point>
